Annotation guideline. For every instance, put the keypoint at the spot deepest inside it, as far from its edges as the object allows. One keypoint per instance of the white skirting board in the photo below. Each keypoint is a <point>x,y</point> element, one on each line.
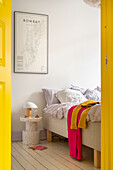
<point>17,135</point>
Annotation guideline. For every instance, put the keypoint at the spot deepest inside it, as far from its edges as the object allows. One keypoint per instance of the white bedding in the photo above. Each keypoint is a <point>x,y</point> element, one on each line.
<point>60,111</point>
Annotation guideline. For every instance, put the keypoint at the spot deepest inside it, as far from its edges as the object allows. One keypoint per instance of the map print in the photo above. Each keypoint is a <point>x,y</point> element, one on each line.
<point>31,53</point>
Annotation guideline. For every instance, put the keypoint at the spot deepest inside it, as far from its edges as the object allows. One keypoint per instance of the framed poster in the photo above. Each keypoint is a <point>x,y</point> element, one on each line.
<point>31,43</point>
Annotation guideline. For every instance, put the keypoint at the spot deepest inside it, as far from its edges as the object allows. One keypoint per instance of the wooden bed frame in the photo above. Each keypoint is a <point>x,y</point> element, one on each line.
<point>92,132</point>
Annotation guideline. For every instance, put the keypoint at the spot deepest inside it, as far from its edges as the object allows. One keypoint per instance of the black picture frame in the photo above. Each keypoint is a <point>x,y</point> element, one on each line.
<point>21,66</point>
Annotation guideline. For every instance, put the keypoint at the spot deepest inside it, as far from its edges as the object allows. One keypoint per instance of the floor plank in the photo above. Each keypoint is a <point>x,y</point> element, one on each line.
<point>61,148</point>
<point>52,160</point>
<point>22,160</point>
<point>39,158</point>
<point>62,160</point>
<point>33,162</point>
<point>49,155</point>
<point>55,157</point>
<point>15,164</point>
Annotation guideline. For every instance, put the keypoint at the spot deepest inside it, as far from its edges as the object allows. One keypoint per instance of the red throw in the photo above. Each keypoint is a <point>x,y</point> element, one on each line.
<point>74,136</point>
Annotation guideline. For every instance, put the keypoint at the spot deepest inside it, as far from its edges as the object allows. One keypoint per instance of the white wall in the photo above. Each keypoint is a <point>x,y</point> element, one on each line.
<point>74,52</point>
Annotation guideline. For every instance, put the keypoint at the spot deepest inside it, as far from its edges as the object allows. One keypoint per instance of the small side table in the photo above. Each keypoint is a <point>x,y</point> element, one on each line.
<point>31,135</point>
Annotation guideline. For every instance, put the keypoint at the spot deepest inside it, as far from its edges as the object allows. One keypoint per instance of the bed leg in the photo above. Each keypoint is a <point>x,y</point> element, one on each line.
<point>97,159</point>
<point>49,136</point>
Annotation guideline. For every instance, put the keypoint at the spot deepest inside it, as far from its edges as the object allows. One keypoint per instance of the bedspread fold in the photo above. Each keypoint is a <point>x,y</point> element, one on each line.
<point>87,105</point>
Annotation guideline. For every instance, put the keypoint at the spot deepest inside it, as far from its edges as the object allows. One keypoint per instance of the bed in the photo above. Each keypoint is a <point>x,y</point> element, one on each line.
<point>93,132</point>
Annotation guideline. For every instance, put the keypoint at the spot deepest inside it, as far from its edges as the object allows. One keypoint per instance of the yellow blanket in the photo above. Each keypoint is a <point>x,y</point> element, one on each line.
<point>82,122</point>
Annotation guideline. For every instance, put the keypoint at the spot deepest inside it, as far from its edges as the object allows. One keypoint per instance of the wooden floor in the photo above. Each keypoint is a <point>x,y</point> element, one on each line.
<point>54,158</point>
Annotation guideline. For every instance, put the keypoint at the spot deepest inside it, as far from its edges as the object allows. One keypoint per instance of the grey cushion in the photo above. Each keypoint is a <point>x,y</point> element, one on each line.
<point>50,97</point>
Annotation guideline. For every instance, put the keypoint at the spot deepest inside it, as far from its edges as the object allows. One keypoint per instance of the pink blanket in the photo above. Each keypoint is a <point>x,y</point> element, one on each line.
<point>74,136</point>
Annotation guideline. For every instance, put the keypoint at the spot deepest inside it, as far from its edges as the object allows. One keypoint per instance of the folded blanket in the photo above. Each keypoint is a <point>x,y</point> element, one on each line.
<point>87,105</point>
<point>82,121</point>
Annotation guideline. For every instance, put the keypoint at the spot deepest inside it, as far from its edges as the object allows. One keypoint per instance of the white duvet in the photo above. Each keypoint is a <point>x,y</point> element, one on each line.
<point>60,111</point>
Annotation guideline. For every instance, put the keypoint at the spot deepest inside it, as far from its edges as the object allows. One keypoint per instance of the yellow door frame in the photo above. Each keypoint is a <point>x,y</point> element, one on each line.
<point>5,84</point>
<point>107,84</point>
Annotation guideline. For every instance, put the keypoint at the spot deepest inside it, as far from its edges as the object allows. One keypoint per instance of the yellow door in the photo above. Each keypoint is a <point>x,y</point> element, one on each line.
<point>5,84</point>
<point>107,84</point>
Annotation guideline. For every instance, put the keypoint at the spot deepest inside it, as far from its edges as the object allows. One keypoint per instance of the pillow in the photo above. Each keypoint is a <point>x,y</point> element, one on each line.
<point>93,95</point>
<point>50,97</point>
<point>98,88</point>
<point>69,95</point>
<point>78,88</point>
